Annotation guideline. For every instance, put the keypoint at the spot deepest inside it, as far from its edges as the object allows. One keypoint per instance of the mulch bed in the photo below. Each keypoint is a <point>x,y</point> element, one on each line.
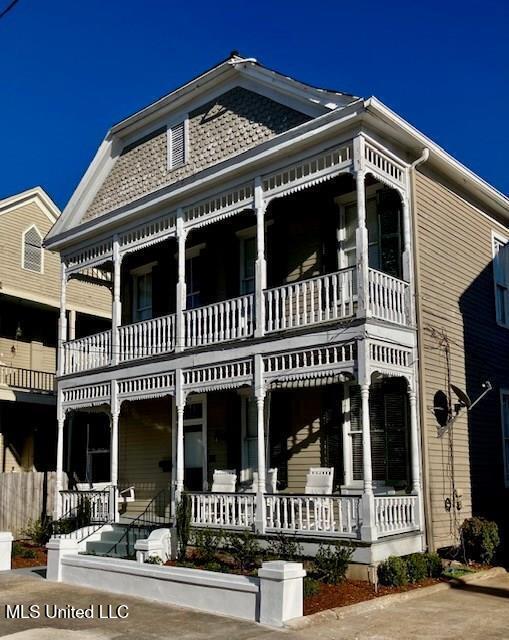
<point>352,591</point>
<point>40,559</point>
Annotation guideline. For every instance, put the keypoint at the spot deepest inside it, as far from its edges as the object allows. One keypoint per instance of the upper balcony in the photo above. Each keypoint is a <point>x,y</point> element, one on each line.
<point>306,303</point>
<point>331,252</point>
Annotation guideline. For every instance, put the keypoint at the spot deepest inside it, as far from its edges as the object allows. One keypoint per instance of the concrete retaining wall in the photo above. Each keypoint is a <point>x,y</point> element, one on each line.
<point>272,598</point>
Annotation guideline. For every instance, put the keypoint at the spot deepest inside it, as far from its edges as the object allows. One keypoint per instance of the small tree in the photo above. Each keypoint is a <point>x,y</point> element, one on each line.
<point>480,539</point>
<point>183,522</point>
<point>331,562</point>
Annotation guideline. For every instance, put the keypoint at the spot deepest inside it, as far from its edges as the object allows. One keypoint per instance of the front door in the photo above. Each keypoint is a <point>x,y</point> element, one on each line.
<point>195,443</point>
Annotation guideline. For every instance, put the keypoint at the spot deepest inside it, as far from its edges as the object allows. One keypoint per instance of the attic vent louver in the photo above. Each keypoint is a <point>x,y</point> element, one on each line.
<point>32,250</point>
<point>177,145</point>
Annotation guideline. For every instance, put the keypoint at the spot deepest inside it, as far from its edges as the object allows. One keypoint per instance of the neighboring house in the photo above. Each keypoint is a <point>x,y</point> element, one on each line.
<point>29,311</point>
<point>299,276</point>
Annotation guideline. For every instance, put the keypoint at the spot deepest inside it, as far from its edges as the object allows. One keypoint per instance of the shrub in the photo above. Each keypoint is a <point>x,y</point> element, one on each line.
<point>153,560</point>
<point>285,547</point>
<point>207,542</point>
<point>17,549</point>
<point>183,518</point>
<point>213,566</point>
<point>39,531</point>
<point>417,567</point>
<point>393,572</point>
<point>244,548</point>
<point>480,539</point>
<point>434,565</point>
<point>331,562</point>
<point>311,587</point>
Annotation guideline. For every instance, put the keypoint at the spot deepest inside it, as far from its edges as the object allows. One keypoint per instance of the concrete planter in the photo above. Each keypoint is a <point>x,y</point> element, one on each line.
<point>5,550</point>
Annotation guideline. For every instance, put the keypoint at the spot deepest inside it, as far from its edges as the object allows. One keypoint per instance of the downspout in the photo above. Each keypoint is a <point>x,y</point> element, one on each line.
<point>420,351</point>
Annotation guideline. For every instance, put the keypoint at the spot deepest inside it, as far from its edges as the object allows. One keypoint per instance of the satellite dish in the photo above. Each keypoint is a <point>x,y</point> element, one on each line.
<point>463,397</point>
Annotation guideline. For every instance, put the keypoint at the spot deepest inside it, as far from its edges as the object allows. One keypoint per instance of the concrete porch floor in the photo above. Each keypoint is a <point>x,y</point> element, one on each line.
<point>477,611</point>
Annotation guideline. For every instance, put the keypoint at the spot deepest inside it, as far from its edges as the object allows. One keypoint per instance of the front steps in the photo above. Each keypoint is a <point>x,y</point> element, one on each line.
<point>116,535</point>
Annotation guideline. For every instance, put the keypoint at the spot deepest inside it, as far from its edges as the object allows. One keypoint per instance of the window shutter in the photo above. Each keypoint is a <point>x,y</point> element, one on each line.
<point>377,424</point>
<point>356,428</point>
<point>177,145</point>
<point>32,250</point>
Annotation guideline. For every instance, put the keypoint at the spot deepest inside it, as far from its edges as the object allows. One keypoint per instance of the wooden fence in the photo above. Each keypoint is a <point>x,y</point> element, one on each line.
<point>25,496</point>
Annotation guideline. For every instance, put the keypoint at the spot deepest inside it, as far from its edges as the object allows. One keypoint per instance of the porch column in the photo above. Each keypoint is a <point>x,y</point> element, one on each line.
<point>59,484</point>
<point>180,406</point>
<point>414,442</point>
<point>361,233</point>
<point>115,413</point>
<point>116,309</point>
<point>181,282</point>
<point>261,262</point>
<point>173,454</point>
<point>368,528</point>
<point>72,324</point>
<point>62,323</point>
<point>259,393</point>
<point>347,444</point>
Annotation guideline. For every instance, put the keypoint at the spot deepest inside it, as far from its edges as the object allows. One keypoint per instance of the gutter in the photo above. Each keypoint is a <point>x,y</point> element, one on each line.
<point>426,490</point>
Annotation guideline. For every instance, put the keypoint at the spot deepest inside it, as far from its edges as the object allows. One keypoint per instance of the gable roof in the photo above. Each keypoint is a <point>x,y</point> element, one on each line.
<point>36,194</point>
<point>295,94</point>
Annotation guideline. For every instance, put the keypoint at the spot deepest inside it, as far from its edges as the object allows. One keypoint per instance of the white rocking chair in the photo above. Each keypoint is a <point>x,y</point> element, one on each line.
<point>319,482</point>
<point>224,481</point>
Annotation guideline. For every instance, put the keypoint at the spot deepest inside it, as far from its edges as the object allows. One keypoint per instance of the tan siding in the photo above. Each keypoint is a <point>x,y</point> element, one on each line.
<point>144,441</point>
<point>36,286</point>
<point>457,299</point>
<point>27,355</point>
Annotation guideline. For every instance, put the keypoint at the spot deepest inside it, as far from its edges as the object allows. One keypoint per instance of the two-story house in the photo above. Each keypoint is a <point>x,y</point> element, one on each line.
<point>297,273</point>
<point>29,312</point>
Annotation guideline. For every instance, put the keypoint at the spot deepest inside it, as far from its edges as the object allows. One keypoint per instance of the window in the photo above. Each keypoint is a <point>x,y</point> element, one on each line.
<point>177,145</point>
<point>504,402</point>
<point>247,264</point>
<point>142,292</point>
<point>193,276</point>
<point>501,278</point>
<point>383,221</point>
<point>32,250</point>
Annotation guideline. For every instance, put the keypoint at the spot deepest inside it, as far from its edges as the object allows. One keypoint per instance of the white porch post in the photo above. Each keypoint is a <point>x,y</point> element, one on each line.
<point>259,393</point>
<point>72,324</point>
<point>173,453</point>
<point>361,234</point>
<point>115,413</point>
<point>59,485</point>
<point>347,443</point>
<point>368,527</point>
<point>261,262</point>
<point>407,258</point>
<point>181,282</point>
<point>62,323</point>
<point>414,442</point>
<point>116,309</point>
<point>180,406</point>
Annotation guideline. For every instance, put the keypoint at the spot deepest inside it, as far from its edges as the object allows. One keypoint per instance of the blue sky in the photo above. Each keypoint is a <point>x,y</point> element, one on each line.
<point>69,70</point>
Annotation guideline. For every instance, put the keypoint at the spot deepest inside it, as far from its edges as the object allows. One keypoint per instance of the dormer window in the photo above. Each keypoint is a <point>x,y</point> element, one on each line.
<point>32,250</point>
<point>177,144</point>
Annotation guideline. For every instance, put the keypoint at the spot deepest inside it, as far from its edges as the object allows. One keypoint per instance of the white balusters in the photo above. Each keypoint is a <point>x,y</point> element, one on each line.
<point>396,514</point>
<point>231,510</point>
<point>335,515</point>
<point>227,320</point>
<point>147,338</point>
<point>388,297</point>
<point>322,299</point>
<point>87,353</point>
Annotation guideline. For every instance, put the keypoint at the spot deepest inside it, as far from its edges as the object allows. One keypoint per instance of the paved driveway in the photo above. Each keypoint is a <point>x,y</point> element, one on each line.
<point>478,611</point>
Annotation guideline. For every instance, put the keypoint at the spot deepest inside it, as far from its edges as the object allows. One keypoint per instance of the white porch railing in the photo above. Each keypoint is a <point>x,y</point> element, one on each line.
<point>396,514</point>
<point>336,515</point>
<point>87,353</point>
<point>94,504</point>
<point>388,297</point>
<point>147,338</point>
<point>228,320</point>
<point>235,510</point>
<point>321,299</point>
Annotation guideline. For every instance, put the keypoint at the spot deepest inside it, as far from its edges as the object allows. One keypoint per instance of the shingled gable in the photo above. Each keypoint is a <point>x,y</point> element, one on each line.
<point>233,107</point>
